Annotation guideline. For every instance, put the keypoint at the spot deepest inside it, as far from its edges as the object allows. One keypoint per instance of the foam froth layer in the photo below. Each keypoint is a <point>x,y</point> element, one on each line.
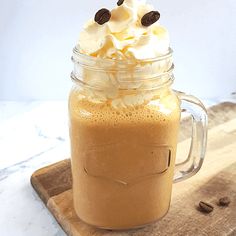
<point>159,110</point>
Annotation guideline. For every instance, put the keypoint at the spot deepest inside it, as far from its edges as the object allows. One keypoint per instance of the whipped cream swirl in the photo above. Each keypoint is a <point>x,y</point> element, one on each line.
<point>124,37</point>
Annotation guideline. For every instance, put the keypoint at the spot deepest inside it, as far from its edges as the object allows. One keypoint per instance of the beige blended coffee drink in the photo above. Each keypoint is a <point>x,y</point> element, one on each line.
<point>123,162</point>
<point>124,119</point>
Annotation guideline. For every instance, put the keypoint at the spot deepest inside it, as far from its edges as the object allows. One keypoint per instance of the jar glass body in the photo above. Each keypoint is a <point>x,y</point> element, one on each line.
<point>122,150</point>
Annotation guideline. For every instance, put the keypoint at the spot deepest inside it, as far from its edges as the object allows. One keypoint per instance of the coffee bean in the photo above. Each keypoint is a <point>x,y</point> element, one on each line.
<point>102,16</point>
<point>205,207</point>
<point>150,18</point>
<point>120,2</point>
<point>224,201</point>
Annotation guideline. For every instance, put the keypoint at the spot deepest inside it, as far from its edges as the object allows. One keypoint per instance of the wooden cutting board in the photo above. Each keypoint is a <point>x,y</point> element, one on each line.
<point>217,178</point>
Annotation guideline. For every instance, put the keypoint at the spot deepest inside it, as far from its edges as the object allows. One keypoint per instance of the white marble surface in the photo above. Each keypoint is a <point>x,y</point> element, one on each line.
<point>32,135</point>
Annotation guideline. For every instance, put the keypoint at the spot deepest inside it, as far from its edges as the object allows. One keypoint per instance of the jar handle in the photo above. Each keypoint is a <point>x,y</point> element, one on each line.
<point>193,163</point>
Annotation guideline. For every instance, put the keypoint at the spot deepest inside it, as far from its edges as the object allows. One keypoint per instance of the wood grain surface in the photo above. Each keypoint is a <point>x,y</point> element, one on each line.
<point>216,179</point>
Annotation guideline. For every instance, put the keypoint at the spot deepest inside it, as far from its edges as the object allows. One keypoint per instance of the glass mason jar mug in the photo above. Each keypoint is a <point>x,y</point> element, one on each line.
<point>124,124</point>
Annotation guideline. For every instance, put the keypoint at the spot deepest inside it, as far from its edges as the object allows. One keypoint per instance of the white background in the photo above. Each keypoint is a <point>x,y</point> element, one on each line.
<point>37,37</point>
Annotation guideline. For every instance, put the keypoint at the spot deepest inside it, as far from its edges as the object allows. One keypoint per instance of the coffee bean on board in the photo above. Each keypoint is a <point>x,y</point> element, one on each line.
<point>205,207</point>
<point>224,201</point>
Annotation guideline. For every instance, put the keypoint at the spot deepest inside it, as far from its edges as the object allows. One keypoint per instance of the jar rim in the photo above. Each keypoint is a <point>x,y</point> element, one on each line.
<point>78,57</point>
<point>166,83</point>
<point>142,71</point>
